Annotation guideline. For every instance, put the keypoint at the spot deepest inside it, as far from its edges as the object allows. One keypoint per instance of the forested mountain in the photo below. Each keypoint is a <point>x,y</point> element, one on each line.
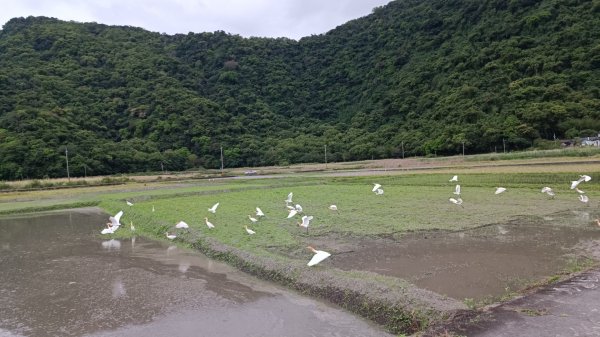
<point>425,75</point>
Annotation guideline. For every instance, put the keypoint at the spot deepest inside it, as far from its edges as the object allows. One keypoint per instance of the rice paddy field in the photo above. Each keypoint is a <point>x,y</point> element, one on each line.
<point>413,209</point>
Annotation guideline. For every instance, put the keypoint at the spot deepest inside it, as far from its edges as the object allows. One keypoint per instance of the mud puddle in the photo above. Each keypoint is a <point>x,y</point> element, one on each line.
<point>481,263</point>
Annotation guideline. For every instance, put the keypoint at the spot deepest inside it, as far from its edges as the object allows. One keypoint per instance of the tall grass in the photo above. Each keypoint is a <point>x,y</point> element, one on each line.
<point>532,154</point>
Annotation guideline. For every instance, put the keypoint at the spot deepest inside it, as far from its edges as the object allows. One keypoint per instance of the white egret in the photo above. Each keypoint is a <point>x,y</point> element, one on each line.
<point>129,203</point>
<point>333,208</point>
<point>289,198</point>
<point>113,225</point>
<point>379,191</point>
<point>182,224</point>
<point>457,190</point>
<point>455,178</point>
<point>500,190</point>
<point>213,209</point>
<point>305,222</point>
<point>585,178</point>
<point>298,208</point>
<point>548,191</point>
<point>375,187</point>
<point>131,226</point>
<point>259,212</point>
<point>458,201</point>
<point>249,231</point>
<point>292,213</point>
<point>574,184</point>
<point>209,224</point>
<point>254,220</point>
<point>319,256</point>
<point>170,236</point>
<point>584,198</point>
<point>579,191</point>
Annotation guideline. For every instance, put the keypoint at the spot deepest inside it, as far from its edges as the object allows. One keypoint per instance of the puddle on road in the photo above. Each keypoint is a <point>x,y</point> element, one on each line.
<point>478,263</point>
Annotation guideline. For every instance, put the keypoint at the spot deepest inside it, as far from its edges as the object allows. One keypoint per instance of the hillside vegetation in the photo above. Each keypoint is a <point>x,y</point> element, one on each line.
<point>417,76</point>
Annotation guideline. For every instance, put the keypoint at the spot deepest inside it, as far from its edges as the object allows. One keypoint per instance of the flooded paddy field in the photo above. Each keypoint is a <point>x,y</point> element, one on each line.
<point>59,277</point>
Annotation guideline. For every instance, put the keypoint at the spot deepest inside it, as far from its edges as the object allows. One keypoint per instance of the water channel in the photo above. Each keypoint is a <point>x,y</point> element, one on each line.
<point>60,277</point>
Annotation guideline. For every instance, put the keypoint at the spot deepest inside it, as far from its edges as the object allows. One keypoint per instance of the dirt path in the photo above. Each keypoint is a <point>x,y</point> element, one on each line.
<point>570,308</point>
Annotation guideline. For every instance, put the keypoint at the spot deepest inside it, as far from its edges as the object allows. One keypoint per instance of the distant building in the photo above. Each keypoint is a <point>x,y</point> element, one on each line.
<point>591,141</point>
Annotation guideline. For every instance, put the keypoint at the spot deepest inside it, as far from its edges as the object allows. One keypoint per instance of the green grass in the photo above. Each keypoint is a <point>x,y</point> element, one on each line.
<point>533,154</point>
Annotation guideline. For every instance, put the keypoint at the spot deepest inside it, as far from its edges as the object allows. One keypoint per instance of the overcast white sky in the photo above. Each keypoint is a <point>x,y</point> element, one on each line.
<point>264,18</point>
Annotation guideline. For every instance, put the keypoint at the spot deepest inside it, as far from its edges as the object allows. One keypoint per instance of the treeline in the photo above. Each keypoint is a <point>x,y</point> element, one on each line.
<point>412,78</point>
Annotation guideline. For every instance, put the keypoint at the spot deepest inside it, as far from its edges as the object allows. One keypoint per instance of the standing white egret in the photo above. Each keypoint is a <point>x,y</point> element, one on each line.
<point>379,191</point>
<point>455,178</point>
<point>584,198</point>
<point>319,256</point>
<point>213,209</point>
<point>375,187</point>
<point>249,231</point>
<point>170,236</point>
<point>129,203</point>
<point>305,222</point>
<point>292,213</point>
<point>254,220</point>
<point>289,198</point>
<point>182,224</point>
<point>457,190</point>
<point>113,225</point>
<point>259,212</point>
<point>131,226</point>
<point>458,201</point>
<point>500,190</point>
<point>333,208</point>
<point>209,224</point>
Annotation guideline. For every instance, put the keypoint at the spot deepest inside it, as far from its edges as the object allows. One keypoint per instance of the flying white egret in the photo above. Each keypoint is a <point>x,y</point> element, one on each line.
<point>289,198</point>
<point>182,224</point>
<point>170,236</point>
<point>305,222</point>
<point>292,213</point>
<point>259,212</point>
<point>131,226</point>
<point>209,224</point>
<point>129,203</point>
<point>574,184</point>
<point>585,178</point>
<point>254,220</point>
<point>333,208</point>
<point>213,209</point>
<point>457,190</point>
<point>584,198</point>
<point>298,208</point>
<point>379,191</point>
<point>319,256</point>
<point>500,190</point>
<point>375,187</point>
<point>458,201</point>
<point>249,231</point>
<point>548,191</point>
<point>455,178</point>
<point>113,225</point>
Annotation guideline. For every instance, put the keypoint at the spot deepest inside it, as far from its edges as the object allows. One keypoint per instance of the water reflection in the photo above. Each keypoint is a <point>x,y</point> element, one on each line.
<point>60,277</point>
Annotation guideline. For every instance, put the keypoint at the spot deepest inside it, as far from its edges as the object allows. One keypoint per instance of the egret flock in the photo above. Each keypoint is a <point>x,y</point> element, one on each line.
<point>294,210</point>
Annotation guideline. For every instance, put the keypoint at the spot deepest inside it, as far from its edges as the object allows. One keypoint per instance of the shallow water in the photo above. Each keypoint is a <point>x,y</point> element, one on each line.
<point>479,263</point>
<point>60,277</point>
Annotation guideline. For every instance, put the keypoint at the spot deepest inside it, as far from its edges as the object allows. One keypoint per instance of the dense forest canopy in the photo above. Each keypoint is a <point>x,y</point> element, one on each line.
<point>415,76</point>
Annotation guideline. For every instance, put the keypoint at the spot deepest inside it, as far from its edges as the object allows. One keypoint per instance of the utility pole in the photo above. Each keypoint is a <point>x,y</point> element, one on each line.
<point>503,145</point>
<point>162,168</point>
<point>84,171</point>
<point>463,148</point>
<point>221,160</point>
<point>325,156</point>
<point>402,149</point>
<point>67,157</point>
